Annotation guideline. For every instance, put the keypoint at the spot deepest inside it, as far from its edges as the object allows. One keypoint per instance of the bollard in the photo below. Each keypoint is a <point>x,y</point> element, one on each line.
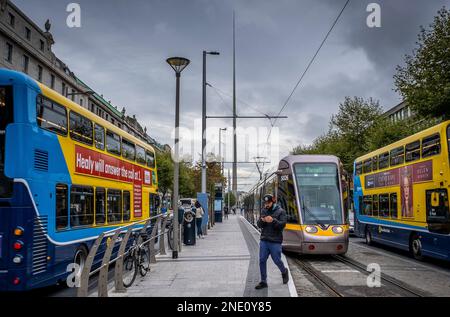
<point>162,246</point>
<point>152,241</point>
<point>103,277</point>
<point>84,279</point>
<point>118,270</point>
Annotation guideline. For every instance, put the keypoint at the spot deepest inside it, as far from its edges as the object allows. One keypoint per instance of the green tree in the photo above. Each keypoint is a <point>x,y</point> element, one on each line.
<point>424,81</point>
<point>165,172</point>
<point>231,197</point>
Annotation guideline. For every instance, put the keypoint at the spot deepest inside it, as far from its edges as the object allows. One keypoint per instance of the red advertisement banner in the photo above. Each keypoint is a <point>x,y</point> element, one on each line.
<point>89,162</point>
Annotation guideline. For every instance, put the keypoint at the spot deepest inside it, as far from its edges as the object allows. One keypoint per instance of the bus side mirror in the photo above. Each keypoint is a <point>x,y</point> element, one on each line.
<point>435,199</point>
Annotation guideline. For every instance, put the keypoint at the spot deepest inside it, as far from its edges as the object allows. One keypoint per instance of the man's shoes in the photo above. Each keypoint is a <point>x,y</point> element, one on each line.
<point>261,285</point>
<point>285,277</point>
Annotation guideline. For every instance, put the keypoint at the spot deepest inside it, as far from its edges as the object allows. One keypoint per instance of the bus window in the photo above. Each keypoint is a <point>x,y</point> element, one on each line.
<point>51,116</point>
<point>81,206</point>
<point>62,212</point>
<point>128,150</point>
<point>383,160</point>
<point>140,155</point>
<point>367,166</point>
<point>358,168</point>
<point>114,202</point>
<point>80,128</point>
<point>150,158</point>
<point>448,138</point>
<point>431,145</point>
<point>99,137</point>
<point>398,156</point>
<point>126,206</point>
<point>100,206</point>
<point>375,211</point>
<point>412,151</point>
<point>367,206</point>
<point>384,205</point>
<point>6,117</point>
<point>112,142</point>
<point>394,206</point>
<point>375,163</point>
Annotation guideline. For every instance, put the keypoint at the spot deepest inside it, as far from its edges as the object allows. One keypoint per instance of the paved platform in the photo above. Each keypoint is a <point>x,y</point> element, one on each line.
<point>223,264</point>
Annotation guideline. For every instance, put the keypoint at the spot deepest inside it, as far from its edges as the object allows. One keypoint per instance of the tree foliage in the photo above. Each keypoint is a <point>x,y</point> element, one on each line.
<point>424,80</point>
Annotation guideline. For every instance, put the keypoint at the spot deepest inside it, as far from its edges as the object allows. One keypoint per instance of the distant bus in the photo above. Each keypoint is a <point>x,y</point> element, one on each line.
<point>66,176</point>
<point>401,194</point>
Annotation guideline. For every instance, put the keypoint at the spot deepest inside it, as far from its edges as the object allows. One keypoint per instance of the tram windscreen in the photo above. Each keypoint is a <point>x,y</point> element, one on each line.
<point>319,191</point>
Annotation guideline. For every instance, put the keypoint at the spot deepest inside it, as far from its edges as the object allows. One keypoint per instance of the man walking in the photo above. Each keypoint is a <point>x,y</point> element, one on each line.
<point>272,223</point>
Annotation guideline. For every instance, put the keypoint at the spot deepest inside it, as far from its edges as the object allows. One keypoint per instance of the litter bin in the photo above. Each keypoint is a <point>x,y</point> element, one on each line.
<point>189,228</point>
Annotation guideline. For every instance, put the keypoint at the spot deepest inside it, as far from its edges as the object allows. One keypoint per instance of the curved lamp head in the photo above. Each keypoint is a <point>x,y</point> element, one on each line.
<point>178,63</point>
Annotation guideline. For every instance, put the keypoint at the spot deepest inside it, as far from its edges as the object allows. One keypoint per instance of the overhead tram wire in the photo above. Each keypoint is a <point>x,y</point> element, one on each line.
<point>309,65</point>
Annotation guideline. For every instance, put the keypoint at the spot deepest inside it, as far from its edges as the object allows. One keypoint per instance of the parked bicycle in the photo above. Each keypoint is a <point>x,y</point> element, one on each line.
<point>137,259</point>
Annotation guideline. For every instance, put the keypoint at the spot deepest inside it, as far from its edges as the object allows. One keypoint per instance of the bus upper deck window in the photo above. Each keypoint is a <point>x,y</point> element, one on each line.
<point>431,145</point>
<point>412,151</point>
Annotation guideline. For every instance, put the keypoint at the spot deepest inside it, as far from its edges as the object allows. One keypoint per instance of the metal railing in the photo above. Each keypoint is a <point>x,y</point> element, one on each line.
<point>112,239</point>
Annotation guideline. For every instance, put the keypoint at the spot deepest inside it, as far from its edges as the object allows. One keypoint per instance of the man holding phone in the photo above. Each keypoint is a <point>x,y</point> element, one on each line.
<point>272,223</point>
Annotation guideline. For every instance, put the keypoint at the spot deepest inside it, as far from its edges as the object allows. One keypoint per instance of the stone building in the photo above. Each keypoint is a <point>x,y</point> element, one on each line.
<point>400,112</point>
<point>25,47</point>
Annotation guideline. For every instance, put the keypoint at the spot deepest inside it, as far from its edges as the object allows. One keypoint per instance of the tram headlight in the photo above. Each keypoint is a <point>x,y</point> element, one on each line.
<point>311,229</point>
<point>338,230</point>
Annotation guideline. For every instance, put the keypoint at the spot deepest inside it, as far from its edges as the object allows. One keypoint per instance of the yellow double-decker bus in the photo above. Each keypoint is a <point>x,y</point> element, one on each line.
<point>66,176</point>
<point>401,194</point>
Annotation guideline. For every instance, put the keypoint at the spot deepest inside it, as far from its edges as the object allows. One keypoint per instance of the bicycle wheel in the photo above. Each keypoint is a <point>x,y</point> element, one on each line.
<point>170,237</point>
<point>129,270</point>
<point>144,260</point>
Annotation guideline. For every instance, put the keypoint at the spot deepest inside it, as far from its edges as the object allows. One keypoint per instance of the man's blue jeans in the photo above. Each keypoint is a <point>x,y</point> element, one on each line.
<point>273,249</point>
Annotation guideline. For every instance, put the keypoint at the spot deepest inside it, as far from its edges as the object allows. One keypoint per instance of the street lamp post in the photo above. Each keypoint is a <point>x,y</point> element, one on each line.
<point>204,120</point>
<point>221,159</point>
<point>178,64</point>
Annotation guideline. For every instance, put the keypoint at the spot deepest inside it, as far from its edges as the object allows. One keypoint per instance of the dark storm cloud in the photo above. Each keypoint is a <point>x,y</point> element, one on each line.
<point>121,48</point>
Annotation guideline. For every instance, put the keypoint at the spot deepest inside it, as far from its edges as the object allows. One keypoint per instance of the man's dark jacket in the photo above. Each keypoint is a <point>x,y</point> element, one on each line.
<point>273,232</point>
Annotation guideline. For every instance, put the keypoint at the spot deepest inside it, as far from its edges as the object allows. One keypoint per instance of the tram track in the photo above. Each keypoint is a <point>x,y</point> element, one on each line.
<point>327,284</point>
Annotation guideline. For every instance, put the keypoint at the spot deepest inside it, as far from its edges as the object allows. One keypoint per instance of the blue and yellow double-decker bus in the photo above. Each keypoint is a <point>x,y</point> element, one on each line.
<point>66,175</point>
<point>401,194</point>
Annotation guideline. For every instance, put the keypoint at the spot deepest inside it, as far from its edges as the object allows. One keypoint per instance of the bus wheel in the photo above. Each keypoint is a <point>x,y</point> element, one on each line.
<point>369,240</point>
<point>80,258</point>
<point>416,248</point>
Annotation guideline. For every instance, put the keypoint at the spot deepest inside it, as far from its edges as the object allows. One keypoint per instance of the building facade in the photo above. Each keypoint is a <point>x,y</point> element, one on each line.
<point>400,112</point>
<point>25,47</point>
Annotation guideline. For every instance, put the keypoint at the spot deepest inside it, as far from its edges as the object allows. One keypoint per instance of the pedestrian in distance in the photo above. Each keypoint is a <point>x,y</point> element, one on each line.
<point>199,212</point>
<point>272,222</point>
<point>226,212</point>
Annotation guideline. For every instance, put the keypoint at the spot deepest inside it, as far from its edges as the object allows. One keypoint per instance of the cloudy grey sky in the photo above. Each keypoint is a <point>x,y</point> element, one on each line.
<point>121,48</point>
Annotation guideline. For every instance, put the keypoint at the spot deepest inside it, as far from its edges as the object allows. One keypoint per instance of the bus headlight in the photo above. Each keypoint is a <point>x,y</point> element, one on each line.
<point>338,230</point>
<point>311,229</point>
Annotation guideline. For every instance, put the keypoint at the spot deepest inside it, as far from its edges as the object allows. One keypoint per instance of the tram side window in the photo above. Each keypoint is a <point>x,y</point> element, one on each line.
<point>412,151</point>
<point>286,198</point>
<point>383,160</point>
<point>128,150</point>
<point>367,206</point>
<point>112,143</point>
<point>375,211</point>
<point>51,116</point>
<point>367,166</point>
<point>100,206</point>
<point>114,202</point>
<point>431,145</point>
<point>126,206</point>
<point>81,206</point>
<point>80,128</point>
<point>384,205</point>
<point>62,211</point>
<point>99,137</point>
<point>150,158</point>
<point>398,156</point>
<point>358,168</point>
<point>394,206</point>
<point>140,155</point>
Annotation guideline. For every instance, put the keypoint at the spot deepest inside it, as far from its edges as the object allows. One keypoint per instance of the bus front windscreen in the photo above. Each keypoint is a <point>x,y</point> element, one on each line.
<point>319,191</point>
